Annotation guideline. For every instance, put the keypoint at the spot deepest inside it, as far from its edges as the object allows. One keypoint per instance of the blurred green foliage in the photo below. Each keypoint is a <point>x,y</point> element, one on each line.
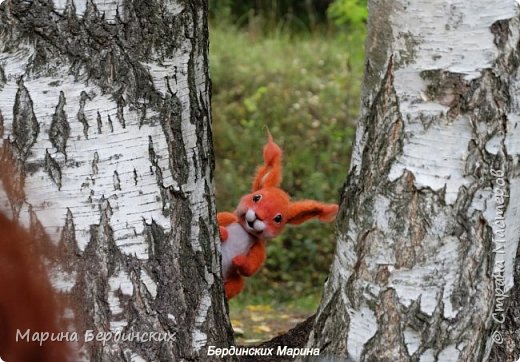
<point>293,15</point>
<point>303,84</point>
<point>352,13</point>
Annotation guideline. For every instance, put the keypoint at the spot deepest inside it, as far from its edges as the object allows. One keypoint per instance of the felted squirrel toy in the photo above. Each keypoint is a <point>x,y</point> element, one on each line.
<point>261,215</point>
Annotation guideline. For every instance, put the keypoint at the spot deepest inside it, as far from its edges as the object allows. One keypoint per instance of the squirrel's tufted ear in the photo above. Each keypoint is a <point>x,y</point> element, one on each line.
<point>270,174</point>
<point>302,211</point>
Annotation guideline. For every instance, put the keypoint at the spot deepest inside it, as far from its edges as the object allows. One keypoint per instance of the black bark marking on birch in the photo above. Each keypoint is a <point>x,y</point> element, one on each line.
<point>110,124</point>
<point>99,123</point>
<point>109,53</point>
<point>211,207</point>
<point>384,129</point>
<point>101,259</point>
<point>488,120</point>
<point>197,109</point>
<point>120,114</point>
<point>135,177</point>
<point>59,131</point>
<point>25,124</point>
<point>388,343</point>
<point>206,137</point>
<point>116,181</point>
<point>53,169</point>
<point>321,321</point>
<point>151,152</point>
<point>171,122</point>
<point>68,258</point>
<point>379,36</point>
<point>176,265</point>
<point>68,241</point>
<point>166,193</point>
<point>205,240</point>
<point>3,78</point>
<point>501,32</point>
<point>143,116</point>
<point>493,116</point>
<point>209,138</point>
<point>1,125</point>
<point>349,190</point>
<point>446,88</point>
<point>205,101</point>
<point>469,98</point>
<point>155,236</point>
<point>94,165</point>
<point>81,113</point>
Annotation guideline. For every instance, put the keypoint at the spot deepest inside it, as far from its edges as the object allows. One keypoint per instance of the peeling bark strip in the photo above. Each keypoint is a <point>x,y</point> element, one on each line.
<point>414,277</point>
<point>105,107</point>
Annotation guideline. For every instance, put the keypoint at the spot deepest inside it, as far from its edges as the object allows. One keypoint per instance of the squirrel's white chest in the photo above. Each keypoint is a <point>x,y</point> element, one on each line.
<point>238,243</point>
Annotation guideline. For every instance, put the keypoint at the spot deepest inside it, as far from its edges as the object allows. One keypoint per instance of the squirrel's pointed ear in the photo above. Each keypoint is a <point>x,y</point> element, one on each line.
<point>302,211</point>
<point>270,174</point>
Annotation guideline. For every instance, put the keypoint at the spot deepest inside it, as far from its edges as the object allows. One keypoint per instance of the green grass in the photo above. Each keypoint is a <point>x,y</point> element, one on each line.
<point>305,89</point>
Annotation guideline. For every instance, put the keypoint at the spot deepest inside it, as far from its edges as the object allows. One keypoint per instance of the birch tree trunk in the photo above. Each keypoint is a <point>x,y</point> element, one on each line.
<point>104,108</point>
<point>429,222</point>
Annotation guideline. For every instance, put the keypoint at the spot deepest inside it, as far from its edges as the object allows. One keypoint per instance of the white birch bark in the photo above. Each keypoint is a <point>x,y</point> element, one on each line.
<point>426,249</point>
<point>104,106</point>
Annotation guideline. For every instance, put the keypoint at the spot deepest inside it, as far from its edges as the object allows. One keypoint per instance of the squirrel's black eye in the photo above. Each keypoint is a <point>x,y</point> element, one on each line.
<point>257,198</point>
<point>278,219</point>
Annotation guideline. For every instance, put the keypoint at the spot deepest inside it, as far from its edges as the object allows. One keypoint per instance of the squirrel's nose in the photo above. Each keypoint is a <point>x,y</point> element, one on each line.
<point>254,221</point>
<point>250,215</point>
<point>259,225</point>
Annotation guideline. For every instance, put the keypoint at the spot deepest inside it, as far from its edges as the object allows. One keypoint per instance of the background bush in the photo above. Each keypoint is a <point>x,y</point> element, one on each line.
<point>301,82</point>
<point>294,14</point>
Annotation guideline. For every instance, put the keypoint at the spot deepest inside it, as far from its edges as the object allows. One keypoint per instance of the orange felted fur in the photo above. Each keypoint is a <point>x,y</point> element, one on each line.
<point>27,300</point>
<point>261,215</point>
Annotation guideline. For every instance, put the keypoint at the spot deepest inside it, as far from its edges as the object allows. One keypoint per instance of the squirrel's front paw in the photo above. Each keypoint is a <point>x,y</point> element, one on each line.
<point>244,265</point>
<point>223,233</point>
<point>239,261</point>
